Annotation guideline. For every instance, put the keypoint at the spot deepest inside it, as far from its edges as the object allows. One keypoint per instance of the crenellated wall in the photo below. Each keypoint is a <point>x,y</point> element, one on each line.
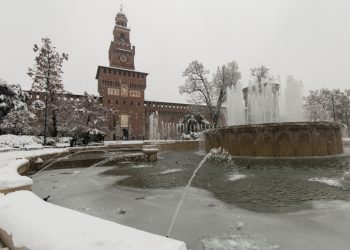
<point>278,139</point>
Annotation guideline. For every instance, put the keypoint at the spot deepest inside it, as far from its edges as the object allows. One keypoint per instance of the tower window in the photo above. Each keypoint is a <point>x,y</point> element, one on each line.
<point>120,72</point>
<point>109,101</point>
<point>116,102</point>
<point>124,102</point>
<point>131,103</point>
<point>122,37</point>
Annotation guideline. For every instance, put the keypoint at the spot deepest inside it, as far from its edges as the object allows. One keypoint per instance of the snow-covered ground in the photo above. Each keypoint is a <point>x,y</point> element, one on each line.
<point>19,141</point>
<point>36,224</point>
<point>27,142</point>
<point>10,161</point>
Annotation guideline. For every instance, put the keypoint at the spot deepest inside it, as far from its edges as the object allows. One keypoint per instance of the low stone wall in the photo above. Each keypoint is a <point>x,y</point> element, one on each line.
<point>278,139</point>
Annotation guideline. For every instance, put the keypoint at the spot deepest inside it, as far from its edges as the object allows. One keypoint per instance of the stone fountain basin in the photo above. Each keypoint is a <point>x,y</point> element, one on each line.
<point>287,139</point>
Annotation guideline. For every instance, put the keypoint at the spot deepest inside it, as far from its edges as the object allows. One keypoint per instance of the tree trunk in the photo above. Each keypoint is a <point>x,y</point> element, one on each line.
<point>54,124</point>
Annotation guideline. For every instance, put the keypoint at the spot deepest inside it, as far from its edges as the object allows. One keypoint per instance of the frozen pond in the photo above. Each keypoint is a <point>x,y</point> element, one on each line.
<point>267,204</point>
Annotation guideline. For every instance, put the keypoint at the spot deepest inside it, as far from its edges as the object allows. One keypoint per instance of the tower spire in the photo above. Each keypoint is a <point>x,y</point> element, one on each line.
<point>121,6</point>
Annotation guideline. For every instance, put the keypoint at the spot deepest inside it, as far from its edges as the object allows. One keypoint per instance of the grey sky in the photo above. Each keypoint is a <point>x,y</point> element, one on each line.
<point>309,39</point>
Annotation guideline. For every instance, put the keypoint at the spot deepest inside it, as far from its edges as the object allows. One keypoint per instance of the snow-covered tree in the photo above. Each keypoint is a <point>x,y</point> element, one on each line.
<point>12,97</point>
<point>328,105</point>
<point>15,118</point>
<point>47,77</point>
<point>37,105</point>
<point>83,114</point>
<point>18,122</point>
<point>211,93</point>
<point>261,74</point>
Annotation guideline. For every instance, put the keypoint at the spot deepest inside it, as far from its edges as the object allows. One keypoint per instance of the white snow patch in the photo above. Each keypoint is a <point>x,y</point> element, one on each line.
<point>235,177</point>
<point>42,225</point>
<point>39,160</point>
<point>174,170</point>
<point>240,225</point>
<point>9,177</point>
<point>229,243</point>
<point>331,205</point>
<point>19,141</point>
<point>9,163</point>
<point>141,166</point>
<point>327,181</point>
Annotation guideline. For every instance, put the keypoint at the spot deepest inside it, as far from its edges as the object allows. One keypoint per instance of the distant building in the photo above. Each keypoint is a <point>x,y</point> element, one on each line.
<point>122,88</point>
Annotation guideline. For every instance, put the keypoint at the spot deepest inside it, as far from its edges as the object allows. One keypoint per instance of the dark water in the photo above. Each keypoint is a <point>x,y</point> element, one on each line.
<point>271,185</point>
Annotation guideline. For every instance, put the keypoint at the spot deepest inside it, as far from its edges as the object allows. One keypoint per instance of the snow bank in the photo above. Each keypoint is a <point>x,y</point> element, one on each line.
<point>19,141</point>
<point>10,162</point>
<point>36,224</point>
<point>9,177</point>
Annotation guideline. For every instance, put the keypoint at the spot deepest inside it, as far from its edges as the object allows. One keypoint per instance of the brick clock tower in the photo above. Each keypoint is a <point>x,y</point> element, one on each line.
<point>121,87</point>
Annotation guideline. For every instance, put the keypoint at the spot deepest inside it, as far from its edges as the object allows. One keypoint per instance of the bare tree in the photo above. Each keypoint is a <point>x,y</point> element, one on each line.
<point>47,76</point>
<point>211,93</point>
<point>261,73</point>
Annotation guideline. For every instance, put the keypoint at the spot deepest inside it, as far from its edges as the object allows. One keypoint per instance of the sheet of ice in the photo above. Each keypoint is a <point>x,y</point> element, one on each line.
<point>236,176</point>
<point>174,170</point>
<point>234,242</point>
<point>42,225</point>
<point>310,229</point>
<point>141,166</point>
<point>328,181</point>
<point>334,205</point>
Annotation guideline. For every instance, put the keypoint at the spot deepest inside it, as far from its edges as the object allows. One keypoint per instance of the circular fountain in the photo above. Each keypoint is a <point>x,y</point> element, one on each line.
<point>286,139</point>
<point>272,127</point>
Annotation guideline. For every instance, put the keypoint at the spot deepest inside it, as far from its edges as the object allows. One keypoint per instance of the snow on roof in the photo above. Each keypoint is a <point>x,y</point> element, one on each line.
<point>36,224</point>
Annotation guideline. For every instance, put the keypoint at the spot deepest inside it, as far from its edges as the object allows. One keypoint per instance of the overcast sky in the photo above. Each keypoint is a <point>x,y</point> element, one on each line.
<point>309,39</point>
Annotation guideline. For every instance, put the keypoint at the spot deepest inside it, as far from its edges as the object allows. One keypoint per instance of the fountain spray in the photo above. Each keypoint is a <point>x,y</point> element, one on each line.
<point>184,193</point>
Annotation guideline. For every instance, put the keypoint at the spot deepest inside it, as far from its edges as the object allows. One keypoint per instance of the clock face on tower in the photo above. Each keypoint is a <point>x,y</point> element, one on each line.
<point>123,58</point>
